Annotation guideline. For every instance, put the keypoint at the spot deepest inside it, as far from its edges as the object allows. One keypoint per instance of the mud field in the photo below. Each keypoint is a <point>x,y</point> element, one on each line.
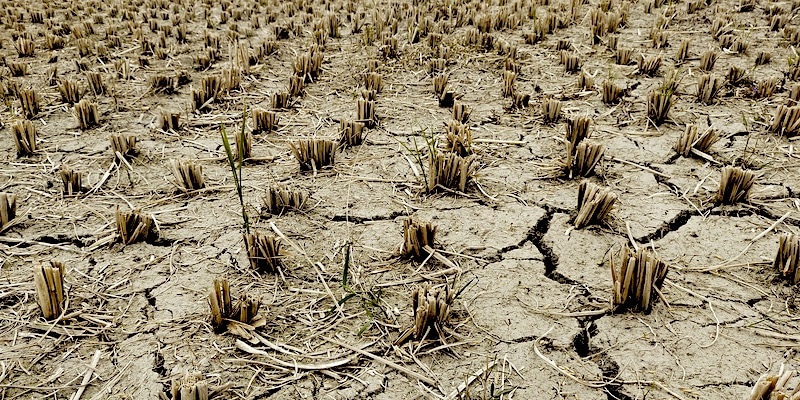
<point>530,305</point>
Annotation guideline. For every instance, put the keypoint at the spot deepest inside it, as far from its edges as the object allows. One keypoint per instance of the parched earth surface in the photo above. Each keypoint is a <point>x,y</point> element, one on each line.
<point>532,318</point>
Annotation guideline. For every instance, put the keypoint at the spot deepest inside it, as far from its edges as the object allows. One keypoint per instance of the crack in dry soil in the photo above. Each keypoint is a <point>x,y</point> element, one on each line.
<point>609,368</point>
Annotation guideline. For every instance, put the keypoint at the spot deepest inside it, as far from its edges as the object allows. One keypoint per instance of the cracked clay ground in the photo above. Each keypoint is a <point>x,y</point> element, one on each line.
<point>533,321</point>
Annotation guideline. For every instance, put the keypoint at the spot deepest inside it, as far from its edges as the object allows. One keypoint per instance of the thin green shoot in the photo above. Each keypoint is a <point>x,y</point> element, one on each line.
<point>235,164</point>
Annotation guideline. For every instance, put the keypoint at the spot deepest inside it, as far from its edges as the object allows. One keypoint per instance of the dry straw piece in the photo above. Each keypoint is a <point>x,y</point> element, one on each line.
<point>508,83</point>
<point>24,137</point>
<point>659,101</point>
<point>188,175</point>
<point>450,171</point>
<point>623,56</point>
<point>649,65</point>
<point>787,119</point>
<point>49,282</point>
<point>637,279</point>
<point>594,204</point>
<point>87,114</point>
<point>366,112</point>
<point>264,121</point>
<point>431,308</point>
<point>133,226</point>
<point>313,153</point>
<point>707,60</point>
<point>459,138</point>
<point>279,198</point>
<point>123,146</point>
<point>352,133</point>
<point>71,180</point>
<point>29,102</point>
<point>224,310</point>
<point>69,90</point>
<point>584,159</point>
<point>734,185</point>
<point>417,236</point>
<point>461,113</point>
<point>787,259</point>
<point>774,387</point>
<point>95,80</point>
<point>551,110</point>
<point>263,251</point>
<point>191,386</point>
<point>8,209</point>
<point>692,142</point>
<point>683,51</point>
<point>612,93</point>
<point>169,121</point>
<point>520,100</point>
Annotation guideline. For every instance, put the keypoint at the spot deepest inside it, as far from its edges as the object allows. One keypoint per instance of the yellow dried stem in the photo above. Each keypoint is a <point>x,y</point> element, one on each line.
<point>71,180</point>
<point>133,226</point>
<point>787,259</point>
<point>188,175</point>
<point>416,236</point>
<point>263,251</point>
<point>278,198</point>
<point>734,185</point>
<point>635,279</point>
<point>8,209</point>
<point>313,154</point>
<point>24,137</point>
<point>450,171</point>
<point>594,204</point>
<point>49,282</point>
<point>352,133</point>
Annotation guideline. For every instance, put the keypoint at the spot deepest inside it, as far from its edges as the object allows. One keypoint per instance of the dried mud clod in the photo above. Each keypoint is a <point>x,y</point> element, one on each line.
<point>594,204</point>
<point>188,175</point>
<point>263,252</point>
<point>313,154</point>
<point>787,259</point>
<point>431,306</point>
<point>86,113</point>
<point>450,171</point>
<point>418,239</point>
<point>734,185</point>
<point>49,283</point>
<point>279,198</point>
<point>692,142</point>
<point>8,210</point>
<point>123,146</point>
<point>24,133</point>
<point>351,133</point>
<point>636,279</point>
<point>133,226</point>
<point>71,180</point>
<point>224,312</point>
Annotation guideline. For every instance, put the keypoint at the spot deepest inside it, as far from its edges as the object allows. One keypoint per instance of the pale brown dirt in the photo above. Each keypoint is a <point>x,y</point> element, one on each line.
<point>723,321</point>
